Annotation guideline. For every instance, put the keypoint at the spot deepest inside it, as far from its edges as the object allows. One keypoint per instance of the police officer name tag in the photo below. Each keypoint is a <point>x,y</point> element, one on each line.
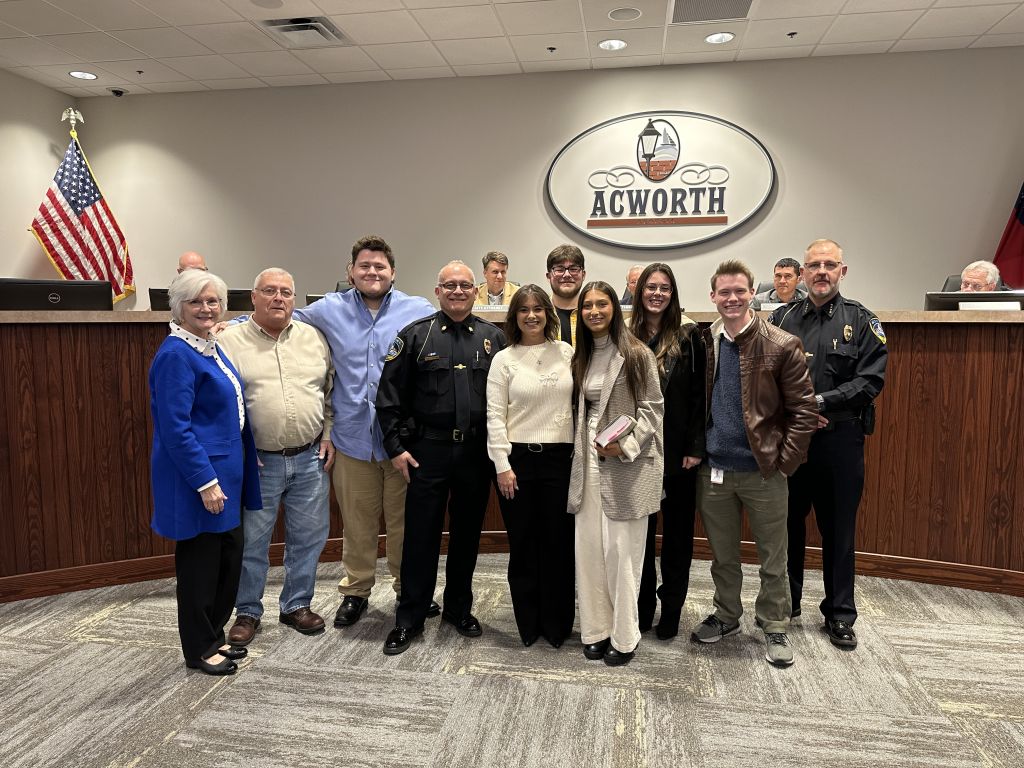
<point>717,476</point>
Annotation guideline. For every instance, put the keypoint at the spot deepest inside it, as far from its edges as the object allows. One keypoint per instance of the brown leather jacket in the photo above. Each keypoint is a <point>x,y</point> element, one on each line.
<point>778,399</point>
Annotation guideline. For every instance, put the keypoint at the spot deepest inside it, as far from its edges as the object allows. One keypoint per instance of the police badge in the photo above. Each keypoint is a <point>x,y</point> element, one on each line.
<point>847,333</point>
<point>487,346</point>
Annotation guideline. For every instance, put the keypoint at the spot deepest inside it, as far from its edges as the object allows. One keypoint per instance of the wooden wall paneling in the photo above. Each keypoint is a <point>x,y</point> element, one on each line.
<point>133,405</point>
<point>1015,402</point>
<point>49,407</point>
<point>104,343</point>
<point>138,438</point>
<point>26,492</point>
<point>948,348</point>
<point>8,436</point>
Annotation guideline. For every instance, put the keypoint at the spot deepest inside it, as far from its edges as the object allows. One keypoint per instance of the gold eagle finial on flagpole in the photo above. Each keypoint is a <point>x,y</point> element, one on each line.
<point>74,116</point>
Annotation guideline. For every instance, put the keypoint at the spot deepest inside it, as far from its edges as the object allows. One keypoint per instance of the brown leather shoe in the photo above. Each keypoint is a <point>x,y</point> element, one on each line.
<point>303,620</point>
<point>243,630</point>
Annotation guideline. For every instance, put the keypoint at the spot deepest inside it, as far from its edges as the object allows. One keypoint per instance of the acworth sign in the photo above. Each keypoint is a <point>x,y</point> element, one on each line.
<point>660,179</point>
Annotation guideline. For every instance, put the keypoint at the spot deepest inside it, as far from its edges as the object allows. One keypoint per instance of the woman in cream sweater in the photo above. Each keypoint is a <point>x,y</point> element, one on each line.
<point>529,439</point>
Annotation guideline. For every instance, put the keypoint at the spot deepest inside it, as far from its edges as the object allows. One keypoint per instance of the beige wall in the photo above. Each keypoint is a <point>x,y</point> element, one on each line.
<point>911,161</point>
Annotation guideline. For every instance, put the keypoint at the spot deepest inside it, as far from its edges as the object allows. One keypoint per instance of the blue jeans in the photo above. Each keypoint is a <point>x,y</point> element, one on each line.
<point>302,485</point>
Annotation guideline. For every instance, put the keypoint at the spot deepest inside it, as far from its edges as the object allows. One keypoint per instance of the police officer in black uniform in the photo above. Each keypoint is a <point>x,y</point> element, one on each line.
<point>845,347</point>
<point>432,411</point>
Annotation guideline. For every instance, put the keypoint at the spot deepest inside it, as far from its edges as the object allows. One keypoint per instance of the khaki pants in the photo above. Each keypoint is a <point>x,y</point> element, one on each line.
<point>365,490</point>
<point>766,502</point>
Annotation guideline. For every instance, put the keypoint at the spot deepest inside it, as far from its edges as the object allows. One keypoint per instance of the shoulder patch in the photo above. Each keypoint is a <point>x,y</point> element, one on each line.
<point>876,328</point>
<point>395,349</point>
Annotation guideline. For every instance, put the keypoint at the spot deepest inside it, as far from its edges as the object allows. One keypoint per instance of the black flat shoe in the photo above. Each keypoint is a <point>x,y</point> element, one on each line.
<point>668,624</point>
<point>399,640</point>
<point>233,653</point>
<point>467,626</point>
<point>614,658</point>
<point>433,610</point>
<point>595,651</point>
<point>350,610</point>
<point>223,667</point>
<point>557,642</point>
<point>529,640</point>
<point>841,634</point>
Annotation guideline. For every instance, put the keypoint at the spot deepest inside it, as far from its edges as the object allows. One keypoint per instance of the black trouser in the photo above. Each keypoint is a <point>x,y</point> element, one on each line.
<point>208,567</point>
<point>456,476</point>
<point>677,513</point>
<point>831,481</point>
<point>541,542</point>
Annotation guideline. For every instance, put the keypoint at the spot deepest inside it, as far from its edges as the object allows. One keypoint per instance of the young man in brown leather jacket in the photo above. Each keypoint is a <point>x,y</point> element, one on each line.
<point>761,416</point>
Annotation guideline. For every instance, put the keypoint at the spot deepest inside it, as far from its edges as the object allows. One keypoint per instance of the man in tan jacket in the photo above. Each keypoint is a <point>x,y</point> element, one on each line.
<point>761,416</point>
<point>495,290</point>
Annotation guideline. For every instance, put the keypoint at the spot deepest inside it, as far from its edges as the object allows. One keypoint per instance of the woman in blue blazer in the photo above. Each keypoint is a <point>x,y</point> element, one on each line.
<point>203,467</point>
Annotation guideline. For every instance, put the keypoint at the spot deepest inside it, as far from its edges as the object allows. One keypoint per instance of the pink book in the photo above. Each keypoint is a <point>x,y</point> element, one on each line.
<point>618,429</point>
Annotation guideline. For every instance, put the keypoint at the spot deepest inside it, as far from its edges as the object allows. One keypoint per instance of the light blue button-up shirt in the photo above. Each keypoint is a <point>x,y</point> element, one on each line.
<point>359,342</point>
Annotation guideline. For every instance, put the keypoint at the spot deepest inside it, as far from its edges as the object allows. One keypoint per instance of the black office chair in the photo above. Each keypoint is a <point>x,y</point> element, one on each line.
<point>343,285</point>
<point>765,285</point>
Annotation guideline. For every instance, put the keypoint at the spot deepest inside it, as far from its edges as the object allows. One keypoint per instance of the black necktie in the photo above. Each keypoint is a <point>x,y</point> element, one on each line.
<point>461,371</point>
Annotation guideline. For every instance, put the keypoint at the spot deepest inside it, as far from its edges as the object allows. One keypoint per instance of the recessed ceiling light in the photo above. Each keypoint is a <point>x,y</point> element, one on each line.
<point>612,45</point>
<point>718,38</point>
<point>625,14</point>
<point>83,75</point>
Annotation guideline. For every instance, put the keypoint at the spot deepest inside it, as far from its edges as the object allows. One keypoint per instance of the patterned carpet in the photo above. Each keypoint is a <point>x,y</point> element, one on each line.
<point>96,679</point>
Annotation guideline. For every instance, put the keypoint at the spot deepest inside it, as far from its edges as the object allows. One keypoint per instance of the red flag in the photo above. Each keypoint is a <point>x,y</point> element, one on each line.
<point>77,229</point>
<point>1010,252</point>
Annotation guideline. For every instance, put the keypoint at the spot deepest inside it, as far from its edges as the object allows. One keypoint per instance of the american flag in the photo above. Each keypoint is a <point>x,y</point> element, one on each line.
<point>77,229</point>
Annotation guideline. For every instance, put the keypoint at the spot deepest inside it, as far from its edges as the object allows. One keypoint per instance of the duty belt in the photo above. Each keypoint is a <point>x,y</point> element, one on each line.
<point>298,449</point>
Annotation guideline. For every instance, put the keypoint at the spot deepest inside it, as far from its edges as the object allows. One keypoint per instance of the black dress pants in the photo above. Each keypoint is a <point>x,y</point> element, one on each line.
<point>677,516</point>
<point>207,567</point>
<point>831,482</point>
<point>456,476</point>
<point>541,542</point>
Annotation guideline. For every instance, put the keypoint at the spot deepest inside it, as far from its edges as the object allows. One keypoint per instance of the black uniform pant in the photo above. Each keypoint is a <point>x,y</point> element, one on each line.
<point>207,567</point>
<point>677,514</point>
<point>541,543</point>
<point>456,476</point>
<point>831,482</point>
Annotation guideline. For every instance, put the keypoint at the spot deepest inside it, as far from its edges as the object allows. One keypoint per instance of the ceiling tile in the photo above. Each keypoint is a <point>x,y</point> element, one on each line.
<point>689,38</point>
<point>555,65</point>
<point>327,60</point>
<point>861,27</point>
<point>179,87</point>
<point>567,45</point>
<point>998,41</point>
<point>423,73</point>
<point>6,30</point>
<point>774,32</point>
<point>81,93</point>
<point>205,67</point>
<point>269,63</point>
<point>103,76</point>
<point>31,51</point>
<point>793,9</point>
<point>699,57</point>
<point>1012,24</point>
<point>358,6</point>
<point>483,70</point>
<point>781,52</point>
<point>538,17</point>
<point>39,18</point>
<point>161,43</point>
<point>653,13</point>
<point>958,3</point>
<point>308,79</point>
<point>627,61</point>
<point>33,73</point>
<point>152,71</point>
<point>932,44</point>
<point>486,50</point>
<point>232,85</point>
<point>378,28</point>
<point>280,9</point>
<point>179,12</point>
<point>237,37</point>
<point>453,23</point>
<point>357,77</point>
<point>870,6</point>
<point>442,3</point>
<point>110,14</point>
<point>92,46</point>
<point>405,55</point>
<point>849,49</point>
<point>639,42</point>
<point>955,22</point>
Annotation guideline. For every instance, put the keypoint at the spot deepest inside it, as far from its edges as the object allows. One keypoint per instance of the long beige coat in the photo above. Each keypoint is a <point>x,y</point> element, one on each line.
<point>630,484</point>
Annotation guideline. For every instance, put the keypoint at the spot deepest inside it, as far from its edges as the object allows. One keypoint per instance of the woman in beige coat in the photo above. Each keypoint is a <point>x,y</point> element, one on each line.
<point>614,488</point>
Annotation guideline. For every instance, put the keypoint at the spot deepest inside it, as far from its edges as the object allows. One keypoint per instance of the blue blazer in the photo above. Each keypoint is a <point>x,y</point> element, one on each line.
<point>196,439</point>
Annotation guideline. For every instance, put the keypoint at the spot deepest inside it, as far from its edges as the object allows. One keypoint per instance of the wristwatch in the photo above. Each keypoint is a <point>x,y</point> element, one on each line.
<point>820,402</point>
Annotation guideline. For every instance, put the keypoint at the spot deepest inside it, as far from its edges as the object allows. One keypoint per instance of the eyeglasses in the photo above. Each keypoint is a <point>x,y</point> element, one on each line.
<point>828,266</point>
<point>197,303</point>
<point>651,288</point>
<point>286,293</point>
<point>560,271</point>
<point>970,285</point>
<point>453,287</point>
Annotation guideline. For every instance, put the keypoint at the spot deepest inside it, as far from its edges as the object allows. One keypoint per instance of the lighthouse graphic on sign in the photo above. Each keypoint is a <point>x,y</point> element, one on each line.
<point>657,150</point>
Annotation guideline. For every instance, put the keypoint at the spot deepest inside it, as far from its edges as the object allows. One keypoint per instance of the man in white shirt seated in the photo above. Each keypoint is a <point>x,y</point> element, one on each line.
<point>980,276</point>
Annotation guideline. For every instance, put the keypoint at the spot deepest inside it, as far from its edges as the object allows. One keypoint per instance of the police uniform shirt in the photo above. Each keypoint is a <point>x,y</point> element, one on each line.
<point>435,374</point>
<point>845,347</point>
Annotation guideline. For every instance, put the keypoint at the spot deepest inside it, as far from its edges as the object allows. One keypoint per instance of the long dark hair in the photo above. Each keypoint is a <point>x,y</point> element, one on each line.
<point>552,327</point>
<point>670,320</point>
<point>631,348</point>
